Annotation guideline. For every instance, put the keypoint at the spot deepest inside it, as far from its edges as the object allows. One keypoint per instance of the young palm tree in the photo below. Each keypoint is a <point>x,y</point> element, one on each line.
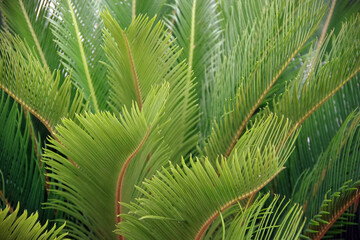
<point>196,119</point>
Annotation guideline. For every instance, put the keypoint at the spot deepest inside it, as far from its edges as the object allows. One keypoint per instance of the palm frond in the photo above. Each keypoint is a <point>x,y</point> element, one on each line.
<point>339,162</point>
<point>315,85</point>
<point>22,177</point>
<point>144,55</point>
<point>24,78</point>
<point>237,17</point>
<point>26,227</point>
<point>111,154</point>
<point>333,209</point>
<point>28,19</point>
<point>261,55</point>
<point>342,12</point>
<point>77,29</point>
<point>180,203</point>
<point>195,25</point>
<point>138,58</point>
<point>266,217</point>
<point>316,134</point>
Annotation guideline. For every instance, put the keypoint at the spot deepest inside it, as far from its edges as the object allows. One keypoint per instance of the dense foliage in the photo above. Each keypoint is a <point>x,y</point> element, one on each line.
<point>169,119</point>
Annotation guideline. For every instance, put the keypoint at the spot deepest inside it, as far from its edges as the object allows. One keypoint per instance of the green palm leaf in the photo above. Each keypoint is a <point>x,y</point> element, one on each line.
<point>333,210</point>
<point>339,161</point>
<point>248,73</point>
<point>28,19</point>
<point>195,25</point>
<point>138,58</point>
<point>316,134</point>
<point>23,177</point>
<point>25,79</point>
<point>263,218</point>
<point>327,75</point>
<point>180,203</point>
<point>111,154</point>
<point>25,227</point>
<point>77,30</point>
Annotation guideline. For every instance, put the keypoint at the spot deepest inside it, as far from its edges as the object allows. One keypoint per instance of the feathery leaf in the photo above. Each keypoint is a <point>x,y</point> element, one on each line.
<point>25,227</point>
<point>180,203</point>
<point>258,59</point>
<point>77,29</point>
<point>104,148</point>
<point>24,78</point>
<point>28,19</point>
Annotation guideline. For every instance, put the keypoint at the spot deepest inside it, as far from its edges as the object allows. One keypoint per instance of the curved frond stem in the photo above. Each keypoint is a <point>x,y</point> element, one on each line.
<point>338,214</point>
<point>250,195</point>
<point>133,71</point>
<point>31,110</point>
<point>83,58</point>
<point>262,97</point>
<point>122,174</point>
<point>320,103</point>
<point>38,47</point>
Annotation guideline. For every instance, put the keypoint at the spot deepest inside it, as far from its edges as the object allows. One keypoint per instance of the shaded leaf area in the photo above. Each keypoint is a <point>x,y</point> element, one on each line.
<point>326,73</point>
<point>261,54</point>
<point>339,162</point>
<point>343,11</point>
<point>143,56</point>
<point>333,214</point>
<point>103,146</point>
<point>24,78</point>
<point>26,227</point>
<point>77,29</point>
<point>181,201</point>
<point>29,20</point>
<point>321,126</point>
<point>316,134</point>
<point>267,217</point>
<point>22,174</point>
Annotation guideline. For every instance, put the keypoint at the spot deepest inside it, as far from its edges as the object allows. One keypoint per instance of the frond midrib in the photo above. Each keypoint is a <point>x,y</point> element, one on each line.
<point>31,29</point>
<point>83,57</point>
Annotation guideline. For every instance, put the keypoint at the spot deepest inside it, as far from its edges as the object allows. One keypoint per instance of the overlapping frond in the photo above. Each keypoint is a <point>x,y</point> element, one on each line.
<point>28,19</point>
<point>139,57</point>
<point>339,162</point>
<point>25,79</point>
<point>77,28</point>
<point>343,11</point>
<point>237,17</point>
<point>22,176</point>
<point>26,227</point>
<point>263,218</point>
<point>144,55</point>
<point>195,25</point>
<point>111,154</point>
<point>333,209</point>
<point>316,134</point>
<point>182,201</point>
<point>254,65</point>
<point>316,84</point>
